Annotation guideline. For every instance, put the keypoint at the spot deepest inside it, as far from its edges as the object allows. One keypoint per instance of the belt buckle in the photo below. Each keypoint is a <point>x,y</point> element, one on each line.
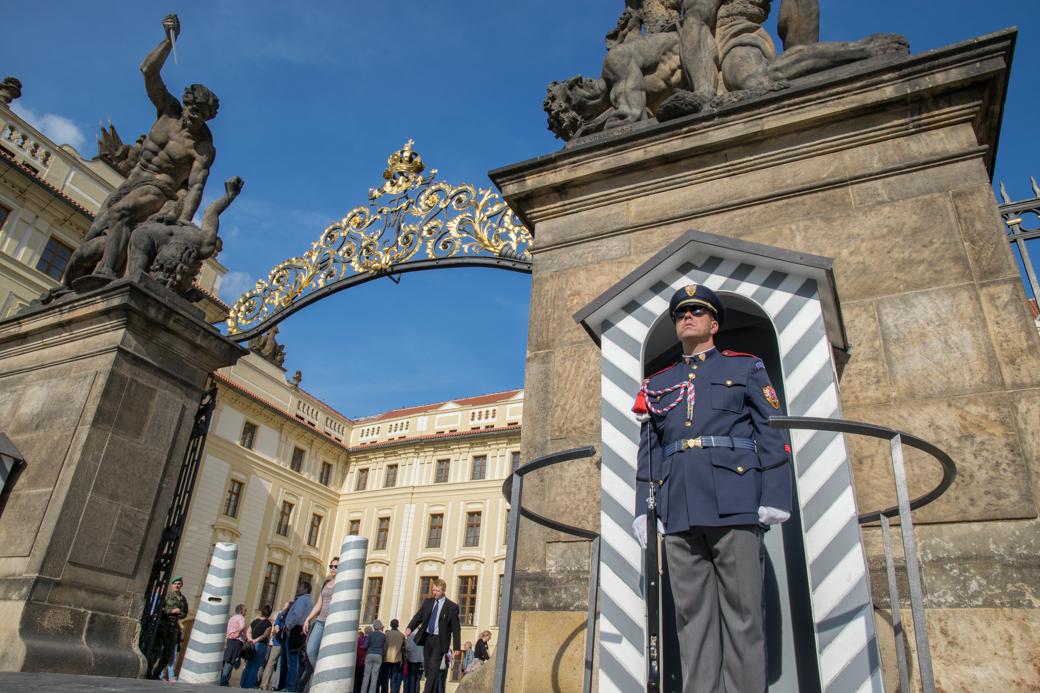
<point>691,443</point>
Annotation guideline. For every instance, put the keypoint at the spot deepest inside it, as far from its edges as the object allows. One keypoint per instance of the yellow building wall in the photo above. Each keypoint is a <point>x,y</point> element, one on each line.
<point>257,393</point>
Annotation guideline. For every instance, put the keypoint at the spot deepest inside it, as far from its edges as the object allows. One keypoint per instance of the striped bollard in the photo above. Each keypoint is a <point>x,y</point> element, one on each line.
<point>334,670</point>
<point>204,658</point>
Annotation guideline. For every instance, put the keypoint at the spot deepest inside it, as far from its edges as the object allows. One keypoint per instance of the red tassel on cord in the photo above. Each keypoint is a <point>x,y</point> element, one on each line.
<point>640,408</point>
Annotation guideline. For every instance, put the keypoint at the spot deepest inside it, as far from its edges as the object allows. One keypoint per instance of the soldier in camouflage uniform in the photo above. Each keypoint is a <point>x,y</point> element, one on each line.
<point>169,634</point>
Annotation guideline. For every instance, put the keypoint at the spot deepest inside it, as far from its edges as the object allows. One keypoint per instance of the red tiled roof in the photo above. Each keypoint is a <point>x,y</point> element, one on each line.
<point>211,297</point>
<point>26,168</point>
<point>278,409</point>
<point>1033,307</point>
<point>466,402</point>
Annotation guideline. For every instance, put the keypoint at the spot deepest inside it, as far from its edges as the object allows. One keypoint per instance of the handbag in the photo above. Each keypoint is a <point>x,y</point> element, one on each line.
<point>248,650</point>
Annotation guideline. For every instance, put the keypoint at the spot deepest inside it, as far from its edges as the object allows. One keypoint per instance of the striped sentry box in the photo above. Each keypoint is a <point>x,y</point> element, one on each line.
<point>334,670</point>
<point>204,657</point>
<point>847,650</point>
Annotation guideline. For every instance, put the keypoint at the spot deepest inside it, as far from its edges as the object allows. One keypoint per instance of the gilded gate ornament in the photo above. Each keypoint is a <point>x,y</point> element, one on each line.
<point>410,223</point>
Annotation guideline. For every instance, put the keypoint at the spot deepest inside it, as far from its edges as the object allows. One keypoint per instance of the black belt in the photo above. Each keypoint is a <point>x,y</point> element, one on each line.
<point>711,442</point>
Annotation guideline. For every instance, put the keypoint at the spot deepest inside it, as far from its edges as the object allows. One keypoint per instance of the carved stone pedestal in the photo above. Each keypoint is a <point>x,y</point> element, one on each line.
<point>883,165</point>
<point>98,394</point>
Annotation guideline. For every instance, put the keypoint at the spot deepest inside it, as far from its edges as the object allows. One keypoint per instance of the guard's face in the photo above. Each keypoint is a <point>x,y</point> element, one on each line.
<point>437,591</point>
<point>691,326</point>
<point>176,586</point>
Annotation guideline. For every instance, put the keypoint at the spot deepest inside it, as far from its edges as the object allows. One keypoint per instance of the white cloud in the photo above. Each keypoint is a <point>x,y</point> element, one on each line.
<point>234,285</point>
<point>56,128</point>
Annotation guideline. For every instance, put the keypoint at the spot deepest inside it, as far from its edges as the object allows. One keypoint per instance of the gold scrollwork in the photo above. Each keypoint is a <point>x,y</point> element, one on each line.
<point>440,221</point>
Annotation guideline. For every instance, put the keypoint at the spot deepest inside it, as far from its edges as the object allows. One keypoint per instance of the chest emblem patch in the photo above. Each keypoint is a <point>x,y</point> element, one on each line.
<point>771,397</point>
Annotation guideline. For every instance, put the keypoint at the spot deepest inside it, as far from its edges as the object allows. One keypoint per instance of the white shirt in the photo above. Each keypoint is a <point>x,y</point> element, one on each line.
<point>437,607</point>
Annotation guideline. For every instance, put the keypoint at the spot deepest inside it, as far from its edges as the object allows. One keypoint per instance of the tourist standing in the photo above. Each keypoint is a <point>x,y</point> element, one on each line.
<point>274,652</point>
<point>359,665</point>
<point>295,640</point>
<point>390,674</point>
<point>236,637</point>
<point>375,648</point>
<point>259,635</point>
<point>480,650</point>
<point>314,626</point>
<point>413,655</point>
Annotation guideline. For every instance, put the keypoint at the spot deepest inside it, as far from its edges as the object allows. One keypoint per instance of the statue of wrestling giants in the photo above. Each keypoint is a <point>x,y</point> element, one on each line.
<point>670,58</point>
<point>150,214</point>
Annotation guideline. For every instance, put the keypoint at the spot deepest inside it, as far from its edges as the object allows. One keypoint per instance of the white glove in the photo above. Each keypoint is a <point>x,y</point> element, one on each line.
<point>639,530</point>
<point>772,516</point>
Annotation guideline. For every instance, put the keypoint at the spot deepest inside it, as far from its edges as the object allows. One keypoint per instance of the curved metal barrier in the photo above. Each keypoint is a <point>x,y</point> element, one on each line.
<point>513,490</point>
<point>903,508</point>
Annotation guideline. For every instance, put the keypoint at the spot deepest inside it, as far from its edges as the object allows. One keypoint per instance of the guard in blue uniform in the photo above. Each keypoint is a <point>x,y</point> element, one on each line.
<point>721,474</point>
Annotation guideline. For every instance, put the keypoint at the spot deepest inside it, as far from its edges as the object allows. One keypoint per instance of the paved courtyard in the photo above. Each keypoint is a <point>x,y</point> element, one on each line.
<point>64,683</point>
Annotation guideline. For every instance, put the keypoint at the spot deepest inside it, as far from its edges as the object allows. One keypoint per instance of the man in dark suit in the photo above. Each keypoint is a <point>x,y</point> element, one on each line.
<point>439,619</point>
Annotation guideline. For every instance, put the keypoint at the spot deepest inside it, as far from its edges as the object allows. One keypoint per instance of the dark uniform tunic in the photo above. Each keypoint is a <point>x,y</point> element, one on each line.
<point>718,486</point>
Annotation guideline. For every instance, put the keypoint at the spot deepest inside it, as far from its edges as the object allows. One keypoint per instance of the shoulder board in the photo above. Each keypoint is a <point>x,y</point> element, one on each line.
<point>737,353</point>
<point>661,371</point>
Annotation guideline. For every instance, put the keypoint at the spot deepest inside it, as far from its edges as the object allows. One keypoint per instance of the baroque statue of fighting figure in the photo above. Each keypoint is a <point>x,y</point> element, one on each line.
<point>670,58</point>
<point>145,225</point>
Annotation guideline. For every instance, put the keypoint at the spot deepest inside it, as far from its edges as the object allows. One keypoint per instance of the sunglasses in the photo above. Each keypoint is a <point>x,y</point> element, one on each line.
<point>333,566</point>
<point>696,311</point>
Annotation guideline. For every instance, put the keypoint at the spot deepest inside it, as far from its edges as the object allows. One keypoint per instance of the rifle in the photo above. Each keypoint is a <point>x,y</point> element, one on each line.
<point>652,571</point>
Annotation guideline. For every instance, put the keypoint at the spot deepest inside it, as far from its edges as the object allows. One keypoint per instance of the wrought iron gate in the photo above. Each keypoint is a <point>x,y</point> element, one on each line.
<point>166,555</point>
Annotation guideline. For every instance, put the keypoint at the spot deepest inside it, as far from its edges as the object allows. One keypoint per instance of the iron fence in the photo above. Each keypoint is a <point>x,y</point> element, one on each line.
<point>1012,213</point>
<point>513,490</point>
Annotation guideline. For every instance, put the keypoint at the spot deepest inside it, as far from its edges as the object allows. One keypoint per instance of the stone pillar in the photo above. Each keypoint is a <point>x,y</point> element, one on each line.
<point>204,656</point>
<point>98,394</point>
<point>337,657</point>
<point>885,166</point>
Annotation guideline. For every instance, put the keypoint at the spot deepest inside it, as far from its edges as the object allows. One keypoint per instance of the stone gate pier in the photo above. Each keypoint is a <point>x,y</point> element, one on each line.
<point>99,394</point>
<point>885,166</point>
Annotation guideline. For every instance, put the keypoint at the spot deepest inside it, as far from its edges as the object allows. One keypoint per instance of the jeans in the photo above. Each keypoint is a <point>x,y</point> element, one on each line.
<point>253,666</point>
<point>411,681</point>
<point>170,675</point>
<point>225,674</point>
<point>292,670</point>
<point>314,641</point>
<point>373,662</point>
<point>396,677</point>
<point>390,677</point>
<point>283,668</point>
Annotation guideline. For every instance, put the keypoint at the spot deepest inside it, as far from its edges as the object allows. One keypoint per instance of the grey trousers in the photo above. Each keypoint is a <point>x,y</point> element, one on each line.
<point>716,580</point>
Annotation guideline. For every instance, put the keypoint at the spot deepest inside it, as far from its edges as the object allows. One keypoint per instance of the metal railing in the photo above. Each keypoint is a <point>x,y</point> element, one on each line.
<point>513,489</point>
<point>1012,213</point>
<point>904,506</point>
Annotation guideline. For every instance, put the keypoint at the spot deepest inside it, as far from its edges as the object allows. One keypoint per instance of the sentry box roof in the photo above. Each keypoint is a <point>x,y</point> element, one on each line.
<point>694,248</point>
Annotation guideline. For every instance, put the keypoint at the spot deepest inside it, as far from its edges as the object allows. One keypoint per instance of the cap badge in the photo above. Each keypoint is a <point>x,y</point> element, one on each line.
<point>771,397</point>
<point>691,289</point>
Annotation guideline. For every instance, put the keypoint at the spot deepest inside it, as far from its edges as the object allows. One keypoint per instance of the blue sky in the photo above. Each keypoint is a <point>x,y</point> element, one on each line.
<point>316,95</point>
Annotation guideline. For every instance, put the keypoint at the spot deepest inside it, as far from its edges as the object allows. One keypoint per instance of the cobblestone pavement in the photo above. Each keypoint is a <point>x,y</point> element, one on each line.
<point>64,683</point>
